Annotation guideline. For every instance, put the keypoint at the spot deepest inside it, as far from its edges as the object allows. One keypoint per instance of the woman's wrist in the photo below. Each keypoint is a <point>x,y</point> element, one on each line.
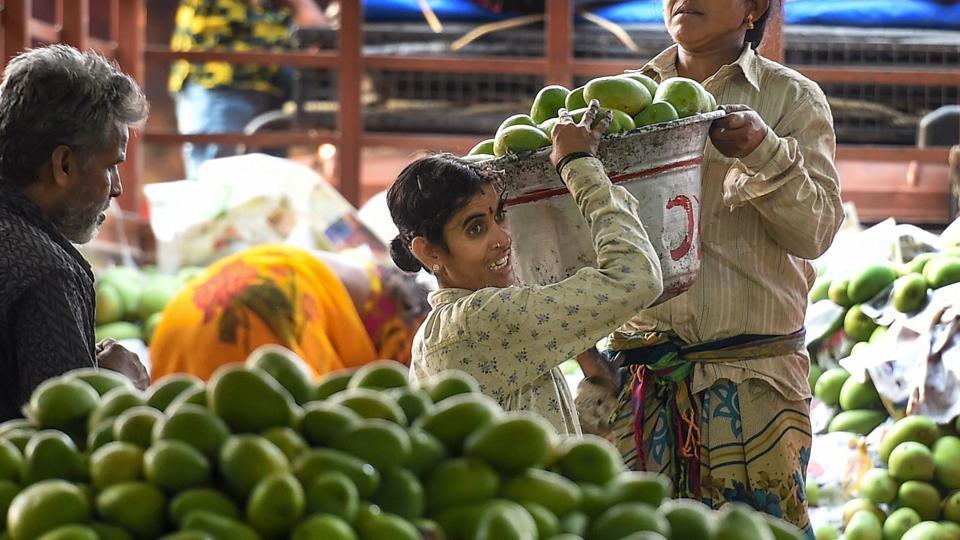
<point>565,160</point>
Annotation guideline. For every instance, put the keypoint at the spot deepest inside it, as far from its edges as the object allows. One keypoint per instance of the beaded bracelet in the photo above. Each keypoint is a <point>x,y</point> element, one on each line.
<point>570,157</point>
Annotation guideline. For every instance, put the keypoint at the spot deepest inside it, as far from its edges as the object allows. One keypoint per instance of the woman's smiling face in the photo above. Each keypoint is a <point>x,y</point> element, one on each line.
<point>477,254</point>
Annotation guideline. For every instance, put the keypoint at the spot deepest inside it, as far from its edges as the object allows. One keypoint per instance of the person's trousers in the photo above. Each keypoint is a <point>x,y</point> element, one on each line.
<point>220,110</point>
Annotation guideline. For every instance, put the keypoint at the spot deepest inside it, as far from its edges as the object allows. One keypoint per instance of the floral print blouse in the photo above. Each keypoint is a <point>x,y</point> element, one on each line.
<point>513,339</point>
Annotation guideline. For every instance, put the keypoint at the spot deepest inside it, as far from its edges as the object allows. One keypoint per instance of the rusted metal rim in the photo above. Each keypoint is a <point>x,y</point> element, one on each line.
<point>638,132</point>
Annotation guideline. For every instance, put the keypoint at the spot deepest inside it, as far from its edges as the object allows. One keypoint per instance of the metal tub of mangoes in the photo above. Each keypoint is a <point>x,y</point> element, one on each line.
<point>654,148</point>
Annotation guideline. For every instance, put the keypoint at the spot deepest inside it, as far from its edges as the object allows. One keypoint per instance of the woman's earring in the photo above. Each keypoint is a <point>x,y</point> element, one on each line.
<point>436,269</point>
<point>749,22</point>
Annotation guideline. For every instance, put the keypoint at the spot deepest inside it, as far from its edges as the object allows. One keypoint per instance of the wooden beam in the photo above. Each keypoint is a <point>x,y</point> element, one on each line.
<point>319,59</point>
<point>76,24</point>
<point>479,64</point>
<point>902,154</point>
<point>44,32</point>
<point>264,139</point>
<point>891,76</point>
<point>130,46</point>
<point>16,17</point>
<point>331,60</point>
<point>529,66</point>
<point>412,141</point>
<point>114,20</point>
<point>559,43</point>
<point>773,45</point>
<point>458,144</point>
<point>882,189</point>
<point>596,68</point>
<point>954,192</point>
<point>107,48</point>
<point>350,117</point>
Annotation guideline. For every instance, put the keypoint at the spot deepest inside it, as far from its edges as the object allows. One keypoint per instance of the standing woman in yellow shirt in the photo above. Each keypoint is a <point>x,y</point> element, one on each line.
<point>223,97</point>
<point>720,372</point>
<point>512,339</point>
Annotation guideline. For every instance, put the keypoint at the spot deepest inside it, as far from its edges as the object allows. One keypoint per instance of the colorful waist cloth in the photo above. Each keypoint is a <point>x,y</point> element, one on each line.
<point>654,362</point>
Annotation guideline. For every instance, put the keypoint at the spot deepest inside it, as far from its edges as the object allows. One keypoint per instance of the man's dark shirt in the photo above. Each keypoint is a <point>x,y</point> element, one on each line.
<point>46,303</point>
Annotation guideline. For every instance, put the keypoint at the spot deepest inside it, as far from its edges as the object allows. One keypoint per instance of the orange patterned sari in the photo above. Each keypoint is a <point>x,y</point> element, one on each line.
<point>264,295</point>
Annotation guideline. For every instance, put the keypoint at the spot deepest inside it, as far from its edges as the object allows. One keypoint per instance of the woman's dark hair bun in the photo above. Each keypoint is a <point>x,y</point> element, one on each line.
<point>403,257</point>
<point>424,197</point>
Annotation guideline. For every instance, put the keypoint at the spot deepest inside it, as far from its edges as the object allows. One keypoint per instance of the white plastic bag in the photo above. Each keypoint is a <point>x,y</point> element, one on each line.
<point>243,201</point>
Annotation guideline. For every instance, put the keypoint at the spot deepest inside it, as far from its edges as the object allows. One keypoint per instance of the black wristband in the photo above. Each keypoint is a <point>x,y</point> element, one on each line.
<point>570,157</point>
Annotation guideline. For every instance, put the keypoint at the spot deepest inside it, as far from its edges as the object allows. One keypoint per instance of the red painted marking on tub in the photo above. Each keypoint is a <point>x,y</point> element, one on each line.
<point>682,201</point>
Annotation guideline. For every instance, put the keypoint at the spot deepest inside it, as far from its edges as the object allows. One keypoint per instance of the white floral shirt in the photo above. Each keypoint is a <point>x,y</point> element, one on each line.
<point>513,339</point>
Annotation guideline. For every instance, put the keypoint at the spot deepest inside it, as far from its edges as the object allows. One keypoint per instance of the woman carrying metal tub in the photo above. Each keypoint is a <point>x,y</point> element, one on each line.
<point>719,373</point>
<point>512,338</point>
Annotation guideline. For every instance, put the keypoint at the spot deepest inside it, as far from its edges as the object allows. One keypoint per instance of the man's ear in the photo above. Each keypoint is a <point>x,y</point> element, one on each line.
<point>425,252</point>
<point>63,163</point>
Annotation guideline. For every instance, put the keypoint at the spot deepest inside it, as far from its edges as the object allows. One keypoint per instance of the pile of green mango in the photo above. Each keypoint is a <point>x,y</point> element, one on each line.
<point>634,100</point>
<point>911,283</point>
<point>910,280</point>
<point>914,494</point>
<point>261,451</point>
<point>130,300</point>
<point>861,408</point>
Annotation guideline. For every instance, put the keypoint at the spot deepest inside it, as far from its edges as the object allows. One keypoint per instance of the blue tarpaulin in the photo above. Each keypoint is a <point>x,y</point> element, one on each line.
<point>875,13</point>
<point>863,13</point>
<point>409,11</point>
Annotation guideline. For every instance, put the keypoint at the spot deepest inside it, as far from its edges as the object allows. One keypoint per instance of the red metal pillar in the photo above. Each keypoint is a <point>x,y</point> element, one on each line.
<point>115,21</point>
<point>773,44</point>
<point>559,42</point>
<point>16,27</point>
<point>350,117</point>
<point>131,43</point>
<point>76,24</point>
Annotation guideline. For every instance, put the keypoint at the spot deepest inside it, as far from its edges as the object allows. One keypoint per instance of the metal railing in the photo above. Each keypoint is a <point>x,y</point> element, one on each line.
<point>557,66</point>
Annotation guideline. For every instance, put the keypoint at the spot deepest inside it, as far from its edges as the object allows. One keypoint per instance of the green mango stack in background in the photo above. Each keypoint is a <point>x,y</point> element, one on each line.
<point>130,301</point>
<point>913,494</point>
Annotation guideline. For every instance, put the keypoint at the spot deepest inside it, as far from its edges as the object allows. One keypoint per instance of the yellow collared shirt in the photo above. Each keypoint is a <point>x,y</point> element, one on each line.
<point>763,218</point>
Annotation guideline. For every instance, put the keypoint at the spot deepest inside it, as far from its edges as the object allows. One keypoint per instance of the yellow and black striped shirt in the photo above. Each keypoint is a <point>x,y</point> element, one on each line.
<point>229,25</point>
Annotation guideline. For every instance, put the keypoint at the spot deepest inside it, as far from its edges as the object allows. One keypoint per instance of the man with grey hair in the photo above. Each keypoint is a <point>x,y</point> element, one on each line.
<point>65,118</point>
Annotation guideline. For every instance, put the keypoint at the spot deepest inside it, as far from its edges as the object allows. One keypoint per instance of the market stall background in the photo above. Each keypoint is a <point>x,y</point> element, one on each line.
<point>887,82</point>
<point>889,64</point>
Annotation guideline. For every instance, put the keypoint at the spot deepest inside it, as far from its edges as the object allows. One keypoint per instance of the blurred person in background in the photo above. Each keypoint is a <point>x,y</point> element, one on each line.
<point>329,309</point>
<point>220,97</point>
<point>65,118</point>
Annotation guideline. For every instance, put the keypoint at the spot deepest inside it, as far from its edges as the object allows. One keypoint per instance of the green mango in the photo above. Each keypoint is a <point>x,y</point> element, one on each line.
<point>860,422</point>
<point>869,282</point>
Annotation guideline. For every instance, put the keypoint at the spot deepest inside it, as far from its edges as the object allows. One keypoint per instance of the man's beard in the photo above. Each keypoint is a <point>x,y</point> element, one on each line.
<point>79,226</point>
